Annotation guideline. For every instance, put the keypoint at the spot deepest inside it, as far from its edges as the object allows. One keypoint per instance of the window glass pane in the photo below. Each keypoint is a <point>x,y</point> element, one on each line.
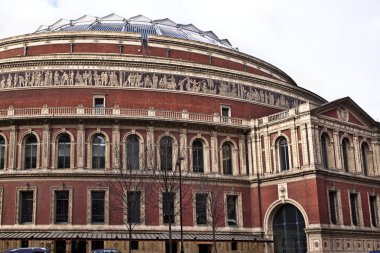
<point>345,145</point>
<point>284,155</point>
<point>64,149</point>
<point>201,208</point>
<point>198,156</point>
<point>97,206</point>
<point>31,152</point>
<point>354,209</point>
<point>231,210</point>
<point>333,205</point>
<point>26,215</point>
<point>373,207</point>
<point>324,147</point>
<point>133,202</point>
<point>166,153</point>
<point>61,206</point>
<point>365,158</point>
<point>2,150</point>
<point>168,207</point>
<point>289,230</point>
<point>98,152</point>
<point>133,152</point>
<point>227,159</point>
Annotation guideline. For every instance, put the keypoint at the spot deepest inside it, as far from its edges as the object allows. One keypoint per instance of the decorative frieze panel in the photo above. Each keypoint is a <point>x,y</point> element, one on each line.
<point>101,78</point>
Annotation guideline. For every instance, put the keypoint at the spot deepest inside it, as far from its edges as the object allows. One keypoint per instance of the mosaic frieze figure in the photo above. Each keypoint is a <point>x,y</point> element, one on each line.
<point>146,80</point>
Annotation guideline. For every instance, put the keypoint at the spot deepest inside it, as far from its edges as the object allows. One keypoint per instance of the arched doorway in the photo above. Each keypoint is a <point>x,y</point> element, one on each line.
<point>289,230</point>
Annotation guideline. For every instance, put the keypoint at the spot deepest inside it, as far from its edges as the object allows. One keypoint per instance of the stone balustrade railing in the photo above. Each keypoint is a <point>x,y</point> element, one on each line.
<point>116,112</point>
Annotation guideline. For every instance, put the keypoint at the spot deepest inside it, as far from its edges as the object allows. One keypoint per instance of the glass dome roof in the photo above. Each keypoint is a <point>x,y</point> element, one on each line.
<point>137,24</point>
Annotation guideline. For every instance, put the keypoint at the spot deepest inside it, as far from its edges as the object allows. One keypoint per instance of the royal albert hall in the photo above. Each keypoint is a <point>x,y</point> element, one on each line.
<point>86,102</point>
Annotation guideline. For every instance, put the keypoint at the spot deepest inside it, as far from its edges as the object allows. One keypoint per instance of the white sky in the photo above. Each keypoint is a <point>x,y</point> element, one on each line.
<point>330,47</point>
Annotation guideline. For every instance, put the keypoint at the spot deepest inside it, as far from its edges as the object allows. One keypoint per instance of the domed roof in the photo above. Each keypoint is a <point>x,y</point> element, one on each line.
<point>137,24</point>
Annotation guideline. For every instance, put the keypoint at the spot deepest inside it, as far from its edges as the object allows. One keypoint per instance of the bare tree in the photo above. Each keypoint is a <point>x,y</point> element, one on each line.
<point>166,185</point>
<point>210,206</point>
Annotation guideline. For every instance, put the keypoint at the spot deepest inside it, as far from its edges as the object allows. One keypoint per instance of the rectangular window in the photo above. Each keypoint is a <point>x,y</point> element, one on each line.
<point>97,206</point>
<point>134,245</point>
<point>373,210</point>
<point>234,246</point>
<point>99,104</point>
<point>226,113</point>
<point>26,207</point>
<point>333,204</point>
<point>98,245</point>
<point>134,207</point>
<point>354,208</point>
<point>232,210</point>
<point>61,206</point>
<point>201,208</point>
<point>60,246</point>
<point>168,207</point>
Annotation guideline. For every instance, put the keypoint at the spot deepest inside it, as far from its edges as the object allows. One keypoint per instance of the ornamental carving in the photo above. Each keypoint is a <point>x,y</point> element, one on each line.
<point>99,78</point>
<point>343,114</point>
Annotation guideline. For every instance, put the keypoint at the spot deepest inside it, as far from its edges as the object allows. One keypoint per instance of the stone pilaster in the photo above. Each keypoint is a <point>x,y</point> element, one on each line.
<point>80,146</point>
<point>337,149</point>
<point>316,146</point>
<point>376,158</point>
<point>304,144</point>
<point>357,155</point>
<point>310,141</point>
<point>116,154</point>
<point>183,148</point>
<point>12,147</point>
<point>214,152</point>
<point>242,155</point>
<point>45,147</point>
<point>295,159</point>
<point>268,152</point>
<point>150,148</point>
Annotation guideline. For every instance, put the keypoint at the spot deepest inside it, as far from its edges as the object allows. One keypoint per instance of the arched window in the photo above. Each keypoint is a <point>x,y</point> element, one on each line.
<point>98,152</point>
<point>345,153</point>
<point>198,165</point>
<point>283,154</point>
<point>166,153</point>
<point>365,151</point>
<point>2,152</point>
<point>30,161</point>
<point>325,150</point>
<point>289,230</point>
<point>133,152</point>
<point>227,158</point>
<point>64,151</point>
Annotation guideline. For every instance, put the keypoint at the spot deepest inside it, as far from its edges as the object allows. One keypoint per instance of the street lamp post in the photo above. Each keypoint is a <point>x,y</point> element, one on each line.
<point>180,200</point>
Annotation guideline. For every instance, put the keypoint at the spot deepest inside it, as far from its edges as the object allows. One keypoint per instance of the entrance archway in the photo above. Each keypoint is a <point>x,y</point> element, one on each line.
<point>289,230</point>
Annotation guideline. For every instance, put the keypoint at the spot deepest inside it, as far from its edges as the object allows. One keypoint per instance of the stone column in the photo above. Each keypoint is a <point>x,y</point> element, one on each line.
<point>12,147</point>
<point>80,146</point>
<point>116,154</point>
<point>150,148</point>
<point>268,151</point>
<point>316,146</point>
<point>338,158</point>
<point>376,157</point>
<point>183,148</point>
<point>295,159</point>
<point>304,144</point>
<point>310,144</point>
<point>252,153</point>
<point>242,154</point>
<point>214,152</point>
<point>357,155</point>
<point>45,147</point>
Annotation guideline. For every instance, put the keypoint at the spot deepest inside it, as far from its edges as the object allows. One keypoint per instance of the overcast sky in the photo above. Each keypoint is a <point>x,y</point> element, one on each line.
<point>330,47</point>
